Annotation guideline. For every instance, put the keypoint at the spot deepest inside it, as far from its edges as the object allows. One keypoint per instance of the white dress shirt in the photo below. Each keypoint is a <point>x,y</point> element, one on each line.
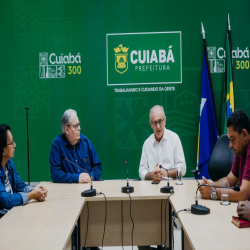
<point>168,153</point>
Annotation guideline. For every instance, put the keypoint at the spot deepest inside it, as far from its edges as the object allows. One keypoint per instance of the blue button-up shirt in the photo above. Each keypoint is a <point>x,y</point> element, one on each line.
<point>20,189</point>
<point>83,155</point>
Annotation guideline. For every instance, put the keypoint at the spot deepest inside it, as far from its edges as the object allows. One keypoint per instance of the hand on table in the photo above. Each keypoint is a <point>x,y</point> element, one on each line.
<point>205,191</point>
<point>157,173</point>
<point>243,209</point>
<point>44,192</point>
<point>38,194</point>
<point>84,178</point>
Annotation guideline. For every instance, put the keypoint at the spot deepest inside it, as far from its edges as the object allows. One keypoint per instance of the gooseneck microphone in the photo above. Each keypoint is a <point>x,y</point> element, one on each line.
<point>202,210</point>
<point>87,193</point>
<point>166,189</point>
<point>127,189</point>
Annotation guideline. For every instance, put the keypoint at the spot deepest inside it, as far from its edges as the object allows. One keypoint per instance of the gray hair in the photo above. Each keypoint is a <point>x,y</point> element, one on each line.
<point>68,116</point>
<point>155,109</point>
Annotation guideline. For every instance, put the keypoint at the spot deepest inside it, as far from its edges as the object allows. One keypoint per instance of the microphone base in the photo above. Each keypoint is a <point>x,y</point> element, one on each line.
<point>127,189</point>
<point>89,193</point>
<point>199,209</point>
<point>179,183</point>
<point>167,189</point>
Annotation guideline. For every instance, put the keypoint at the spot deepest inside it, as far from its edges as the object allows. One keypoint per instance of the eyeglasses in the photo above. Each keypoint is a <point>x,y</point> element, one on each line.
<point>75,126</point>
<point>12,144</point>
<point>154,123</point>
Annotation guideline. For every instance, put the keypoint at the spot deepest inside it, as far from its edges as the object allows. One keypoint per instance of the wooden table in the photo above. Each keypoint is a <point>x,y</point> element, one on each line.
<point>49,224</point>
<point>212,231</point>
<point>148,213</point>
<point>41,225</point>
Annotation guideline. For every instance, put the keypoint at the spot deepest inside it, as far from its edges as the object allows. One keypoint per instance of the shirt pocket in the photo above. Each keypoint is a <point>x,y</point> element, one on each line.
<point>86,163</point>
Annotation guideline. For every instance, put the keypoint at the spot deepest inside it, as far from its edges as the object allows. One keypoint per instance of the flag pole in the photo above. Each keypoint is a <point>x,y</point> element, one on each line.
<point>208,67</point>
<point>230,46</point>
<point>230,42</point>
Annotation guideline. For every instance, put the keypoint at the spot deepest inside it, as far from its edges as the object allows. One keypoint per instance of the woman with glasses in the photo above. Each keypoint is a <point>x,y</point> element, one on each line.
<point>13,191</point>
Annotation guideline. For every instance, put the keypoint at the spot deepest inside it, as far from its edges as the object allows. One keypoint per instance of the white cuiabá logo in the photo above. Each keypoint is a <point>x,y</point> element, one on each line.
<point>53,66</point>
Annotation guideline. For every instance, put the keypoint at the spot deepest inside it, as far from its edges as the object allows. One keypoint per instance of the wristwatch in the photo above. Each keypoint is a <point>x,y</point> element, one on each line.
<point>213,194</point>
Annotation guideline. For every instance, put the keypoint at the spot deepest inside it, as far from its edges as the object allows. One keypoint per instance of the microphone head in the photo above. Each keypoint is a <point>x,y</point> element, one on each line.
<point>63,157</point>
<point>236,188</point>
<point>125,161</point>
<point>160,166</point>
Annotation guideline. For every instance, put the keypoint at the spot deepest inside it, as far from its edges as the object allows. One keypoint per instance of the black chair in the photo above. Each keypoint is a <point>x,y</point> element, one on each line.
<point>2,213</point>
<point>221,160</point>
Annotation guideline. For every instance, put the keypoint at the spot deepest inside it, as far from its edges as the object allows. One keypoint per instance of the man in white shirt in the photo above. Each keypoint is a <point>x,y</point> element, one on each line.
<point>163,148</point>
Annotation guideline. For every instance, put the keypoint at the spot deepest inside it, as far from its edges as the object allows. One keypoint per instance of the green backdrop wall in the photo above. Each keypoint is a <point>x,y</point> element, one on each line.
<point>32,32</point>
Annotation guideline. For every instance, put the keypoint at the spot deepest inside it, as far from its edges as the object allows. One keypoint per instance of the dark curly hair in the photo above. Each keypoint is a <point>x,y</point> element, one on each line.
<point>239,120</point>
<point>3,138</point>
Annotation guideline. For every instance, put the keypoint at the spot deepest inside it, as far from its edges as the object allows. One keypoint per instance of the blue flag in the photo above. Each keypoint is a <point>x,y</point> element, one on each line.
<point>208,133</point>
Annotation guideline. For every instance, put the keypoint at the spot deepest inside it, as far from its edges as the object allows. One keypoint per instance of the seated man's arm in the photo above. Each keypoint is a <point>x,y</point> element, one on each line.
<point>172,173</point>
<point>179,159</point>
<point>155,175</point>
<point>243,194</point>
<point>206,191</point>
<point>56,167</point>
<point>144,171</point>
<point>145,174</point>
<point>149,176</point>
<point>96,166</point>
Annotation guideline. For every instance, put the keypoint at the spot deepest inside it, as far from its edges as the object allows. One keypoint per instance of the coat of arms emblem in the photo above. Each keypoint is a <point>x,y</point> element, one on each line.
<point>121,59</point>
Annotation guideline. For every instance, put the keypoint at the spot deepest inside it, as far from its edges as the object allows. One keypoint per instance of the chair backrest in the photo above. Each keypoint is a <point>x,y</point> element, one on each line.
<point>221,160</point>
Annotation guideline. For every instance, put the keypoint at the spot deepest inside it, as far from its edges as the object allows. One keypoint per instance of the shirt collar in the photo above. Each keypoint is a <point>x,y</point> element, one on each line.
<point>8,167</point>
<point>67,142</point>
<point>165,136</point>
<point>65,139</point>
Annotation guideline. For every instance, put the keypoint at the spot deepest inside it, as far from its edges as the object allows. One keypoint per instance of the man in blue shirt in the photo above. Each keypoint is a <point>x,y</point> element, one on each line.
<point>72,146</point>
<point>78,149</point>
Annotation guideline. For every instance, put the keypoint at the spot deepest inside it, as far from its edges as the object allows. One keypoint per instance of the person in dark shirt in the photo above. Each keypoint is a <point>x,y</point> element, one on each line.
<point>13,191</point>
<point>78,149</point>
<point>238,132</point>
